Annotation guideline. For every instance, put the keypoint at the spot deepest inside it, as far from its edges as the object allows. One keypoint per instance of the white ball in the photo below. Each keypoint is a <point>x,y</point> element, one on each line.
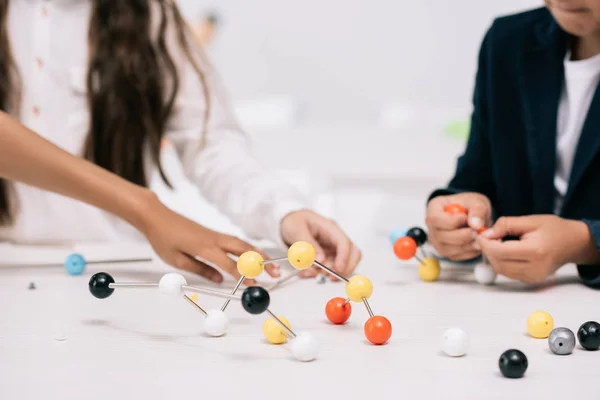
<point>170,285</point>
<point>304,347</point>
<point>484,273</point>
<point>455,342</point>
<point>216,323</point>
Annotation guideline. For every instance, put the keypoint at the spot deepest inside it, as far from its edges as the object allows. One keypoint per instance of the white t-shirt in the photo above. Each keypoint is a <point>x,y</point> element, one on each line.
<point>49,43</point>
<point>581,79</point>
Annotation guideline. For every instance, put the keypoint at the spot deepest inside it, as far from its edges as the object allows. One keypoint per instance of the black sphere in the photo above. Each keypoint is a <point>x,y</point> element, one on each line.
<point>99,285</point>
<point>589,335</point>
<point>513,364</point>
<point>418,235</point>
<point>255,300</point>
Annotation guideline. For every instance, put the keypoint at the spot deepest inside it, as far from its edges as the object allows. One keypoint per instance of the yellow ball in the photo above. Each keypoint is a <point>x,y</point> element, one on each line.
<point>540,324</point>
<point>274,333</point>
<point>429,269</point>
<point>358,287</point>
<point>301,255</point>
<point>250,264</point>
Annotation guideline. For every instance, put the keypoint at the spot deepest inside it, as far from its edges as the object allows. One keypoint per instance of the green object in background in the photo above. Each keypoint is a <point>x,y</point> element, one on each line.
<point>459,129</point>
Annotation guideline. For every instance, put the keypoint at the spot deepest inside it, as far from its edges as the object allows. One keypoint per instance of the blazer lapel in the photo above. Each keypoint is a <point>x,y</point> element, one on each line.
<point>588,146</point>
<point>541,86</point>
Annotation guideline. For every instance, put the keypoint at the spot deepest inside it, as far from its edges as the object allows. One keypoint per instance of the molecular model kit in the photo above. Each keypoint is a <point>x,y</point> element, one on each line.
<point>407,243</point>
<point>256,300</point>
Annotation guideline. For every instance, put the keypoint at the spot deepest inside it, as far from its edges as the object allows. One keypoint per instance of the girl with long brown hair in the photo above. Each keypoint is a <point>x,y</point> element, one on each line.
<point>112,81</point>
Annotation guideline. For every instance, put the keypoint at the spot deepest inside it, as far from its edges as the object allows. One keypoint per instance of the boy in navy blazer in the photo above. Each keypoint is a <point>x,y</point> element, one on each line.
<point>531,168</point>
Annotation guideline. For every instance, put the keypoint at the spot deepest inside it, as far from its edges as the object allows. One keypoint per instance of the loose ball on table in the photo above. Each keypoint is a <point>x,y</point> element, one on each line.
<point>99,285</point>
<point>484,273</point>
<point>540,324</point>
<point>255,300</point>
<point>455,209</point>
<point>274,333</point>
<point>304,347</point>
<point>301,255</point>
<point>359,287</point>
<point>455,342</point>
<point>588,335</point>
<point>397,234</point>
<point>418,235</point>
<point>561,341</point>
<point>250,264</point>
<point>405,248</point>
<point>215,323</point>
<point>513,364</point>
<point>378,329</point>
<point>75,264</point>
<point>170,285</point>
<point>430,269</point>
<point>338,310</point>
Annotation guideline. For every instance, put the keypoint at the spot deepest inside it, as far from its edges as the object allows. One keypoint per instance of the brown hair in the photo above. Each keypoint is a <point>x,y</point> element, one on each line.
<point>132,83</point>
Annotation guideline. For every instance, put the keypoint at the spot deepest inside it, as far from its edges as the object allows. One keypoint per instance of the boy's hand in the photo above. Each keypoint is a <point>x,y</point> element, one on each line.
<point>453,235</point>
<point>334,248</point>
<point>546,243</point>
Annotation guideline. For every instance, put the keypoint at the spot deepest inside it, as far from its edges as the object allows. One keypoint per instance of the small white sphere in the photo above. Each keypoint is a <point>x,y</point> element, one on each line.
<point>484,273</point>
<point>455,342</point>
<point>216,323</point>
<point>170,285</point>
<point>304,347</point>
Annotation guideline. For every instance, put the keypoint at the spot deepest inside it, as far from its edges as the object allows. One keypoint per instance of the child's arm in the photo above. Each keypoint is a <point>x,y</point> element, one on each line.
<point>28,158</point>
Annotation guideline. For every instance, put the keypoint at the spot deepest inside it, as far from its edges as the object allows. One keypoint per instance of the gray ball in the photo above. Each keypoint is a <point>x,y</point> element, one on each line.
<point>561,341</point>
<point>321,278</point>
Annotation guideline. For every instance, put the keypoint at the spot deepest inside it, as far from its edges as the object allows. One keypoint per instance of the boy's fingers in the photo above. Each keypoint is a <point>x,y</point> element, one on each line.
<point>514,250</point>
<point>458,237</point>
<point>511,226</point>
<point>479,213</point>
<point>444,221</point>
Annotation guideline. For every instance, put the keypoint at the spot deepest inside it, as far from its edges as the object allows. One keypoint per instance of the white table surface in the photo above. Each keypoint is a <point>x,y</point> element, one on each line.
<point>138,344</point>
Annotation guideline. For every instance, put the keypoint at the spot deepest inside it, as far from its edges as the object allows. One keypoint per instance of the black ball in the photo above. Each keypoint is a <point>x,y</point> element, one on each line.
<point>418,235</point>
<point>99,285</point>
<point>255,300</point>
<point>513,364</point>
<point>588,335</point>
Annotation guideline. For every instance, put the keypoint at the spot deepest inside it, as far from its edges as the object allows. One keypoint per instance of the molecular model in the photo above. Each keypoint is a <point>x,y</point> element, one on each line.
<point>406,245</point>
<point>255,300</point>
<point>302,255</point>
<point>75,263</point>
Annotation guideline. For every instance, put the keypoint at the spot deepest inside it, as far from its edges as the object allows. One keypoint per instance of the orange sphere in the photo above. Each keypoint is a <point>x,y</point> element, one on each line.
<point>481,230</point>
<point>405,248</point>
<point>378,329</point>
<point>455,209</point>
<point>337,310</point>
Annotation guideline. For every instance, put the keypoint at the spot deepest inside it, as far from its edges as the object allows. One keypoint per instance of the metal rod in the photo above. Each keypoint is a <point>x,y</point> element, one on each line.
<point>119,261</point>
<point>132,285</point>
<point>265,262</point>
<point>347,301</point>
<point>419,259</point>
<point>368,306</point>
<point>211,292</point>
<point>237,286</point>
<point>195,305</point>
<point>284,326</point>
<point>331,271</point>
<point>283,280</point>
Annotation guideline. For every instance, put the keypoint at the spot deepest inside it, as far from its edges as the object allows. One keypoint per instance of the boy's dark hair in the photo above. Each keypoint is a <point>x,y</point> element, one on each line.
<point>132,82</point>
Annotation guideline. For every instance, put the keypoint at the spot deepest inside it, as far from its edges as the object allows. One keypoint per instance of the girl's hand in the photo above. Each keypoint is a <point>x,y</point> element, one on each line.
<point>453,235</point>
<point>546,243</point>
<point>178,241</point>
<point>333,247</point>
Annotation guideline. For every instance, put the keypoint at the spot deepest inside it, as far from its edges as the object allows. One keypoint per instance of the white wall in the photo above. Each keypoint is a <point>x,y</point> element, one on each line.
<point>345,59</point>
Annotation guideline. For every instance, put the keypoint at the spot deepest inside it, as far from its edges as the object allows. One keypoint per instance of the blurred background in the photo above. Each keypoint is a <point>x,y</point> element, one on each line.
<point>364,104</point>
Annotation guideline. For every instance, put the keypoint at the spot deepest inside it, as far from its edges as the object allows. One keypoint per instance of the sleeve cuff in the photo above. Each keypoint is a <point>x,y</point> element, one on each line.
<point>590,274</point>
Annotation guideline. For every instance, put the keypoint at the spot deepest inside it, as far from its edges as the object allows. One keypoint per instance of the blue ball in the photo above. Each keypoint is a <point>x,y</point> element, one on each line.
<point>75,264</point>
<point>397,234</point>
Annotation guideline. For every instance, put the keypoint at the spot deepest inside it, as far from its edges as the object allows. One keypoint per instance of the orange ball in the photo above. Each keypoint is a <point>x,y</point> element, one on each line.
<point>337,310</point>
<point>405,248</point>
<point>378,329</point>
<point>455,209</point>
<point>481,230</point>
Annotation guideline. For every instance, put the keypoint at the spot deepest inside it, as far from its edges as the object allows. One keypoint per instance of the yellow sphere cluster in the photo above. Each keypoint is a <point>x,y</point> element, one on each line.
<point>359,287</point>
<point>429,269</point>
<point>540,324</point>
<point>274,332</point>
<point>301,255</point>
<point>250,264</point>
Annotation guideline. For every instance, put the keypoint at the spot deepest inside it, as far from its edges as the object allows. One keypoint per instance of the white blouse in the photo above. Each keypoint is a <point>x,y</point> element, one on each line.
<point>49,43</point>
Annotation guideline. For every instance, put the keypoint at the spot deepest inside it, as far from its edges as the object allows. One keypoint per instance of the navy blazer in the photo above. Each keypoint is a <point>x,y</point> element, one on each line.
<point>511,151</point>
